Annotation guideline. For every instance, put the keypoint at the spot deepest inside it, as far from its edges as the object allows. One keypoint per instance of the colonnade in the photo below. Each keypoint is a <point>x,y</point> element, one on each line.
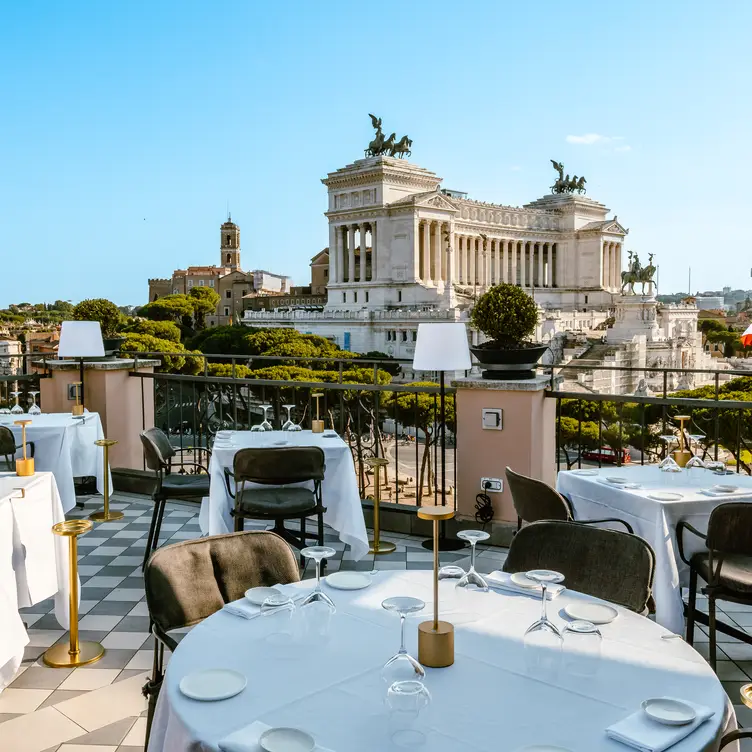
<point>354,253</point>
<point>611,264</point>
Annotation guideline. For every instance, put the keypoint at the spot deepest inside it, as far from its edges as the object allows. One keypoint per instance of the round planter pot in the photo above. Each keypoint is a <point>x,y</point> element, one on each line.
<point>509,364</point>
<point>112,345</point>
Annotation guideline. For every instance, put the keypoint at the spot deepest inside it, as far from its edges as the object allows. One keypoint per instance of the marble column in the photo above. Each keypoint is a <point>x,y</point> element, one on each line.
<point>549,264</point>
<point>618,265</point>
<point>497,261</point>
<point>374,270</point>
<point>471,262</point>
<point>438,266</point>
<point>451,254</point>
<point>351,254</point>
<point>532,265</point>
<point>541,278</point>
<point>363,252</point>
<point>426,253</point>
<point>606,269</point>
<point>523,258</point>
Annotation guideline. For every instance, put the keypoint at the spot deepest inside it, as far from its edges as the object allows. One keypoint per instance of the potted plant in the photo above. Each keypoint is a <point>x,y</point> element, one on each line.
<point>507,316</point>
<point>109,318</point>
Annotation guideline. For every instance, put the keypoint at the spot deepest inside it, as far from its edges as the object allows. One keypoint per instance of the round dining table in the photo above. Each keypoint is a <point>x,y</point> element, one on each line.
<point>495,697</point>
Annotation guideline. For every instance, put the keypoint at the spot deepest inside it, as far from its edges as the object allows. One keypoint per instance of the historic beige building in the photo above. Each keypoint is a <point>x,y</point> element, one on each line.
<point>231,283</point>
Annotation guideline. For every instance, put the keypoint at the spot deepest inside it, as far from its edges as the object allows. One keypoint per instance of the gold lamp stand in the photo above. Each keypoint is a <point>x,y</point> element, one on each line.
<point>435,638</point>
<point>317,425</point>
<point>378,546</point>
<point>76,653</point>
<point>78,408</point>
<point>24,467</point>
<point>682,455</point>
<point>106,515</point>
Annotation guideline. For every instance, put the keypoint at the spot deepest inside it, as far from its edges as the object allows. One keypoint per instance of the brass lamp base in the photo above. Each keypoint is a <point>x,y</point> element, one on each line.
<point>77,410</point>
<point>106,515</point>
<point>25,468</point>
<point>317,426</point>
<point>681,456</point>
<point>746,695</point>
<point>59,656</point>
<point>382,547</point>
<point>436,646</point>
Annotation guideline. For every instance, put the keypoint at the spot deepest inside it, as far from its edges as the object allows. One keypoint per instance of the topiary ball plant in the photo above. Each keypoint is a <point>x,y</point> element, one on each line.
<point>101,310</point>
<point>507,315</point>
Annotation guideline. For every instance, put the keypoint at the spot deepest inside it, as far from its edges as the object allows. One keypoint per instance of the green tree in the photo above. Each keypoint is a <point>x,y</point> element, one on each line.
<point>506,314</point>
<point>204,300</point>
<point>161,329</point>
<point>573,435</point>
<point>63,306</point>
<point>176,358</point>
<point>101,310</point>
<point>176,308</point>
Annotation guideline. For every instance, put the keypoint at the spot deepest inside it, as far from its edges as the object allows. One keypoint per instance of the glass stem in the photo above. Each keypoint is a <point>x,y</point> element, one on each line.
<point>472,556</point>
<point>543,602</point>
<point>318,574</point>
<point>402,634</point>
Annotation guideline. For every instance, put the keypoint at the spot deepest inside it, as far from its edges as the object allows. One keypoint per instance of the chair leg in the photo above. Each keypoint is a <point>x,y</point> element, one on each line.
<point>711,629</point>
<point>321,537</point>
<point>239,523</point>
<point>691,606</point>
<point>153,687</point>
<point>151,541</point>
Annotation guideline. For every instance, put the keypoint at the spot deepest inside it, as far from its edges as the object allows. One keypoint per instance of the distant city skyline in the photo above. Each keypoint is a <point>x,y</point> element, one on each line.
<point>122,145</point>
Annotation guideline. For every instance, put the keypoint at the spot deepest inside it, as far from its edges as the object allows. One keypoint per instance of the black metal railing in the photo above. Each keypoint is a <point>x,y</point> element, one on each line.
<point>19,380</point>
<point>397,421</point>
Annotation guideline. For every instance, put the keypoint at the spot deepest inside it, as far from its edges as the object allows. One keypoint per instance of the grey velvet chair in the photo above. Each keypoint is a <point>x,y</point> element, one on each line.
<point>8,446</point>
<point>607,564</point>
<point>159,454</point>
<point>726,567</point>
<point>535,500</point>
<point>275,470</point>
<point>189,581</point>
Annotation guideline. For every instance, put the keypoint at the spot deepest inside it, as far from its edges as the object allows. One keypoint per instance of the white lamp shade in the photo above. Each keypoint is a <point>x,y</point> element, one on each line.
<point>80,339</point>
<point>441,347</point>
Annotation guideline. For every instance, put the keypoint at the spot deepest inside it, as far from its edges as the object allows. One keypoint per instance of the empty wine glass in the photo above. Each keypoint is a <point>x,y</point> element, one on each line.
<point>716,466</point>
<point>317,553</point>
<point>544,577</point>
<point>582,648</point>
<point>16,409</point>
<point>692,467</point>
<point>542,641</point>
<point>472,580</point>
<point>402,666</point>
<point>34,409</point>
<point>266,424</point>
<point>289,423</point>
<point>405,700</point>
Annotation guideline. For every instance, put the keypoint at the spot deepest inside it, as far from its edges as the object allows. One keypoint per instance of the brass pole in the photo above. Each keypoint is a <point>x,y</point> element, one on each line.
<point>436,569</point>
<point>73,612</point>
<point>106,515</point>
<point>377,546</point>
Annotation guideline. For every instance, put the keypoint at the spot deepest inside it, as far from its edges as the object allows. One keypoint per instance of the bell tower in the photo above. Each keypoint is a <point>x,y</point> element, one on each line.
<point>229,245</point>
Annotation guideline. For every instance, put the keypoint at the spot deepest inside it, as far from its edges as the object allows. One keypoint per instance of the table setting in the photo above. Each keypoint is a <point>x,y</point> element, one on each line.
<point>310,666</point>
<point>340,492</point>
<point>653,499</point>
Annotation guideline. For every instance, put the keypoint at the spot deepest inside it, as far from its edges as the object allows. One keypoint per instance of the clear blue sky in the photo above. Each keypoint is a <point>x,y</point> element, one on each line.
<point>126,127</point>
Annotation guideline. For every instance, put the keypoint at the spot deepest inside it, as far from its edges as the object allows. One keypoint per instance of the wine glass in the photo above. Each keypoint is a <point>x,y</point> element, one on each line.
<point>34,409</point>
<point>694,462</point>
<point>317,553</point>
<point>266,425</point>
<point>544,577</point>
<point>582,648</point>
<point>405,700</point>
<point>16,409</point>
<point>402,666</point>
<point>716,466</point>
<point>472,580</point>
<point>542,641</point>
<point>289,423</point>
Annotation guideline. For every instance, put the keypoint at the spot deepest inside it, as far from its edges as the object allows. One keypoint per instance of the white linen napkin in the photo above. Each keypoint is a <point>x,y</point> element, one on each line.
<point>503,581</point>
<point>247,610</point>
<point>643,733</point>
<point>246,739</point>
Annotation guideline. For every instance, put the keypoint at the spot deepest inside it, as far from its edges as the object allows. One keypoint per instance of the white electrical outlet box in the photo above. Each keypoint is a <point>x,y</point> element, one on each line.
<point>491,418</point>
<point>494,485</point>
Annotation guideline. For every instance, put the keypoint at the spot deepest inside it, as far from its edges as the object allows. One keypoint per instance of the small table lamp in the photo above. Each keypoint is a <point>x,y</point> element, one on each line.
<point>442,347</point>
<point>81,339</point>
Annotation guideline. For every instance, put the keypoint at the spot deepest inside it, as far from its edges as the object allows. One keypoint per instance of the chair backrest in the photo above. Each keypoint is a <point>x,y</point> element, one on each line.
<point>157,449</point>
<point>279,466</point>
<point>7,441</point>
<point>730,528</point>
<point>608,564</point>
<point>535,500</point>
<point>188,581</point>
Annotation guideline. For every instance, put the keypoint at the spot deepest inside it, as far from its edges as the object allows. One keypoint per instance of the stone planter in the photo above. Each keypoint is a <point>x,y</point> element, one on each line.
<point>112,345</point>
<point>511,363</point>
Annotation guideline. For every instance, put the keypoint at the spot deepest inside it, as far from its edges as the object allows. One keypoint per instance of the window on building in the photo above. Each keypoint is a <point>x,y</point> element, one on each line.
<point>344,297</point>
<point>366,296</point>
<point>399,296</point>
<point>211,283</point>
<point>245,292</point>
<point>415,336</point>
<point>201,283</point>
<point>228,294</point>
<point>229,256</point>
<point>190,283</point>
<point>586,300</point>
<point>355,297</point>
<point>227,311</point>
<point>326,274</point>
<point>174,291</point>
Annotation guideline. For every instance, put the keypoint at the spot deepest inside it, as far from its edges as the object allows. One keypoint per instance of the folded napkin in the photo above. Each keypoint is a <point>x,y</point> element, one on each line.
<point>247,610</point>
<point>503,581</point>
<point>246,739</point>
<point>643,733</point>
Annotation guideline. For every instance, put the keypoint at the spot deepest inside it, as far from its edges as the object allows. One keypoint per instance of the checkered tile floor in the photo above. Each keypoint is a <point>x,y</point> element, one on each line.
<point>99,708</point>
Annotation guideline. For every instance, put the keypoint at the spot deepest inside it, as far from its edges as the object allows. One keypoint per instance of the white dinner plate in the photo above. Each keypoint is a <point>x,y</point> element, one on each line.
<point>616,480</point>
<point>596,613</point>
<point>584,472</point>
<point>665,496</point>
<point>257,595</point>
<point>348,580</point>
<point>725,489</point>
<point>212,684</point>
<point>633,486</point>
<point>669,712</point>
<point>286,740</point>
<point>522,580</point>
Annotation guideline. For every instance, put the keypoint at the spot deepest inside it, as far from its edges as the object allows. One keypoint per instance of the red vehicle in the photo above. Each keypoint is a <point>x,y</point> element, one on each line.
<point>607,455</point>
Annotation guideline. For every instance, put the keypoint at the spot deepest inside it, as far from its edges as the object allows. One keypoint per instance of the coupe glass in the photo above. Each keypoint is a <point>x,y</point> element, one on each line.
<point>289,423</point>
<point>266,425</point>
<point>472,580</point>
<point>582,648</point>
<point>34,409</point>
<point>405,700</point>
<point>317,553</point>
<point>16,409</point>
<point>402,666</point>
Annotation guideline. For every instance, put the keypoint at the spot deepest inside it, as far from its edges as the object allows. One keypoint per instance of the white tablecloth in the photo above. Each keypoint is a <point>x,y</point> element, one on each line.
<point>340,493</point>
<point>488,700</point>
<point>654,520</point>
<point>40,558</point>
<point>64,446</point>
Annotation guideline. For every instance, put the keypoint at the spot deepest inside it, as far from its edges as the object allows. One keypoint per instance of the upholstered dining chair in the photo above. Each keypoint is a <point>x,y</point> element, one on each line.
<point>276,497</point>
<point>187,582</point>
<point>159,453</point>
<point>8,446</point>
<point>535,500</point>
<point>726,567</point>
<point>607,564</point>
